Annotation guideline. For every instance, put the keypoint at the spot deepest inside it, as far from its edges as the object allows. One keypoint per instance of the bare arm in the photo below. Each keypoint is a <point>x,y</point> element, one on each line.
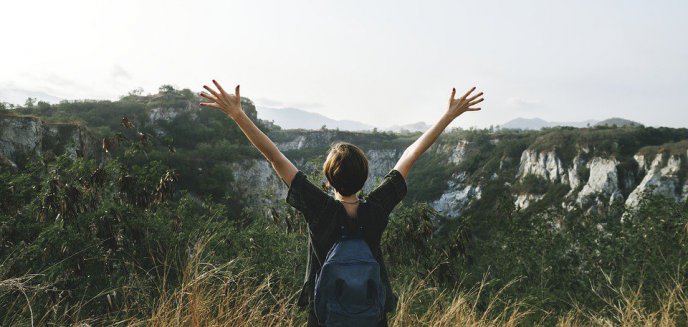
<point>230,104</point>
<point>456,108</point>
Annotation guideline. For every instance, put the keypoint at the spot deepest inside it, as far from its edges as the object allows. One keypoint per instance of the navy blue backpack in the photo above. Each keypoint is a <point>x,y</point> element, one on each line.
<point>348,289</point>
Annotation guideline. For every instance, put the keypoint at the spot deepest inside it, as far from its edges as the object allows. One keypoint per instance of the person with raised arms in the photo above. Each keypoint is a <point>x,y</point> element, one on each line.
<point>346,281</point>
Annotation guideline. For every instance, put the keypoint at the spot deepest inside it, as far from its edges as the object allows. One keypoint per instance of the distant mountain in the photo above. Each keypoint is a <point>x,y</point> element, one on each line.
<point>537,123</point>
<point>420,126</point>
<point>618,122</point>
<point>291,118</point>
<point>18,97</point>
<point>526,123</point>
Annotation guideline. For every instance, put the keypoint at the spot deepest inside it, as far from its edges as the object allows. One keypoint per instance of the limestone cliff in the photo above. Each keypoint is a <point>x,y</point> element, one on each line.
<point>589,169</point>
<point>542,164</point>
<point>593,181</point>
<point>23,138</point>
<point>662,174</point>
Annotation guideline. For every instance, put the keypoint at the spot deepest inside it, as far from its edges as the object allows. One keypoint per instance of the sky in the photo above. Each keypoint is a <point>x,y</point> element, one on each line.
<point>378,62</point>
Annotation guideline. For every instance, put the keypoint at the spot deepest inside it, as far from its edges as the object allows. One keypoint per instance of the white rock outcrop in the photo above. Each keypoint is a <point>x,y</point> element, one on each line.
<point>572,174</point>
<point>602,186</point>
<point>524,200</point>
<point>457,198</point>
<point>545,165</point>
<point>661,178</point>
<point>163,113</point>
<point>297,143</point>
<point>457,154</point>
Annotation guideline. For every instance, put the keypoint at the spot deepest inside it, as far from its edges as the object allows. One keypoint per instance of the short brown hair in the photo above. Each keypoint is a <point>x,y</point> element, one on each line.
<point>346,168</point>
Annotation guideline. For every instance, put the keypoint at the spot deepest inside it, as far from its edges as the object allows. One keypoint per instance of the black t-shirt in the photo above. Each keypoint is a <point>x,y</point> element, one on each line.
<point>323,214</point>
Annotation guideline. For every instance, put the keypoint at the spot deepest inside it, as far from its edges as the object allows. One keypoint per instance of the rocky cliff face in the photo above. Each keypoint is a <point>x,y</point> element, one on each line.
<point>662,177</point>
<point>258,184</point>
<point>542,164</point>
<point>593,181</point>
<point>456,152</point>
<point>23,138</point>
<point>586,177</point>
<point>663,174</point>
<point>457,197</point>
<point>602,185</point>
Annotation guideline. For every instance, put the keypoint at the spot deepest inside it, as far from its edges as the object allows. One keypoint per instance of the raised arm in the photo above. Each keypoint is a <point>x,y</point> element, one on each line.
<point>456,108</point>
<point>230,104</point>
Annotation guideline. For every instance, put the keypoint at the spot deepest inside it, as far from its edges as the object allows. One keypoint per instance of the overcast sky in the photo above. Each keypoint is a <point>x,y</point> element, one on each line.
<point>378,62</point>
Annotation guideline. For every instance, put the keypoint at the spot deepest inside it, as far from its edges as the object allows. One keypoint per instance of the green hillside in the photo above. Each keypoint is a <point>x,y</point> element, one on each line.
<point>125,211</point>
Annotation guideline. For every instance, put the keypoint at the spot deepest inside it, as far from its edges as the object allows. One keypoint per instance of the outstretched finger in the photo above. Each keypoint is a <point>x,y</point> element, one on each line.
<point>208,96</point>
<point>211,91</point>
<point>219,87</point>
<point>475,102</point>
<point>236,92</point>
<point>473,109</point>
<point>468,93</point>
<point>475,96</point>
<point>213,104</point>
<point>453,93</point>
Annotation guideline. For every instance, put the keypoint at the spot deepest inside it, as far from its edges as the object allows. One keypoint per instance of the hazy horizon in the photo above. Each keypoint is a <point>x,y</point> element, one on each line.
<point>383,63</point>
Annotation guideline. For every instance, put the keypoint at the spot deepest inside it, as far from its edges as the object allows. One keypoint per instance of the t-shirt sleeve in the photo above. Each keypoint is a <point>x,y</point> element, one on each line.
<point>306,197</point>
<point>390,192</point>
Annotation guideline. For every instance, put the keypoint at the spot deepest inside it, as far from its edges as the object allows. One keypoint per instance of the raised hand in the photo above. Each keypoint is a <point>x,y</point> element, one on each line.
<point>230,104</point>
<point>464,103</point>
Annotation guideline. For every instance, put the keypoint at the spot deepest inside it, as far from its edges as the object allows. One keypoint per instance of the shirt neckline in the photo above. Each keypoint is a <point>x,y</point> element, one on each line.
<point>358,209</point>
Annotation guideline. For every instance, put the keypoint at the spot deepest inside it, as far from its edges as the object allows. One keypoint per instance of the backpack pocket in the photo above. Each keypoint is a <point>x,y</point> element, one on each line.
<point>352,315</point>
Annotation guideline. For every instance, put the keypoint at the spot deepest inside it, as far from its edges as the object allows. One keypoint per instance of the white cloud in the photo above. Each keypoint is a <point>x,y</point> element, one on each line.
<point>525,104</point>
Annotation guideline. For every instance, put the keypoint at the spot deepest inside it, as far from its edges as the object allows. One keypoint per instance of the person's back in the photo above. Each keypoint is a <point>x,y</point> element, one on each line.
<point>346,169</point>
<point>326,214</point>
<point>349,289</point>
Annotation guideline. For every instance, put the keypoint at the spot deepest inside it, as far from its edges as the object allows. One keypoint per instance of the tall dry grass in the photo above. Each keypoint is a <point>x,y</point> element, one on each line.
<point>228,295</point>
<point>224,296</point>
<point>218,297</point>
<point>421,304</point>
<point>629,308</point>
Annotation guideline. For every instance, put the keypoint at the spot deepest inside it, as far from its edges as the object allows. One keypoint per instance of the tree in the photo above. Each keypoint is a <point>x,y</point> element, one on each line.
<point>29,102</point>
<point>188,94</point>
<point>136,92</point>
<point>166,89</point>
<point>42,105</point>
